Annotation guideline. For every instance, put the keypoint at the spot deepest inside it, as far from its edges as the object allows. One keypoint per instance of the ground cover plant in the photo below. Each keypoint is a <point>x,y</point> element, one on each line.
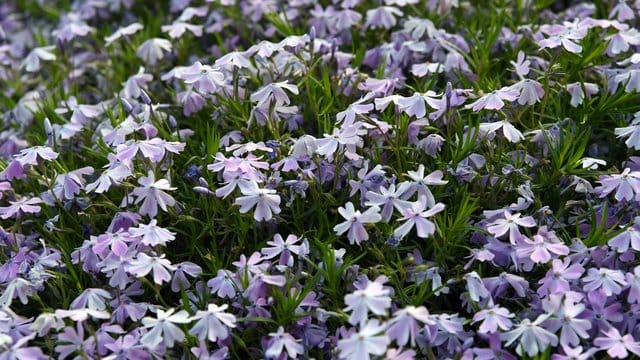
<point>346,179</point>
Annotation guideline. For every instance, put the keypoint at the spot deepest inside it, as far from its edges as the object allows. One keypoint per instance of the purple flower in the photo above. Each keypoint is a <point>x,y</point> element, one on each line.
<point>416,214</point>
<point>556,281</point>
<point>566,317</point>
<point>382,17</point>
<point>152,50</point>
<point>578,94</point>
<point>539,250</point>
<point>30,156</point>
<point>372,297</point>
<point>404,326</point>
<point>617,346</point>
<point>562,36</point>
<point>387,198</point>
<point>152,194</point>
<point>152,234</point>
<point>162,328</point>
<point>355,221</point>
<point>123,32</point>
<point>493,318</point>
<point>20,207</point>
<point>626,185</point>
<point>266,202</point>
<point>532,337</point>
<point>282,248</point>
<point>367,341</point>
<point>223,284</point>
<point>494,100</point>
<point>610,281</point>
<point>143,264</point>
<point>510,224</point>
<point>203,78</point>
<point>213,324</point>
<point>280,341</point>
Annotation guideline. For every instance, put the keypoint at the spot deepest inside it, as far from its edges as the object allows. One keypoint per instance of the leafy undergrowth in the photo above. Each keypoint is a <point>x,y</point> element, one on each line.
<point>352,179</point>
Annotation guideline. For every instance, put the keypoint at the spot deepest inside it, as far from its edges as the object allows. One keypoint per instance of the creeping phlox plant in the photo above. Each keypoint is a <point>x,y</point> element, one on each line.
<point>345,179</point>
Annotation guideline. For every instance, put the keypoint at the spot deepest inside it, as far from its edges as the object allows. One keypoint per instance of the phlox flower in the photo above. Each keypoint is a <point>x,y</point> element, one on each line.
<point>152,194</point>
<point>567,319</point>
<point>116,171</point>
<point>475,287</point>
<point>367,341</point>
<point>633,279</point>
<point>274,93</point>
<point>372,297</point>
<point>610,281</point>
<point>213,323</point>
<point>178,28</point>
<point>404,326</point>
<point>203,78</point>
<point>617,346</point>
<point>631,132</point>
<point>510,224</point>
<point>152,234</point>
<point>179,280</point>
<point>355,221</point>
<point>388,198</point>
<point>30,155</point>
<point>348,116</point>
<point>556,280</point>
<point>143,264</point>
<point>578,94</point>
<point>416,214</point>
<point>532,337</point>
<point>72,339</point>
<point>32,62</point>
<point>495,99</point>
<point>152,50</point>
<point>540,250</point>
<point>281,340</point>
<point>163,328</point>
<point>420,183</point>
<point>560,35</point>
<point>626,185</point>
<point>510,132</point>
<point>622,11</point>
<point>223,285</point>
<point>628,238</point>
<point>284,248</point>
<point>123,32</point>
<point>17,288</point>
<point>18,349</point>
<point>574,354</point>
<point>493,318</point>
<point>92,298</point>
<point>22,206</point>
<point>382,17</point>
<point>265,201</point>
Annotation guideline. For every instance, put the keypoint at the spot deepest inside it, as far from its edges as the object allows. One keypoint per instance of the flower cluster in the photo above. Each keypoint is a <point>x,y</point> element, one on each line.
<point>353,179</point>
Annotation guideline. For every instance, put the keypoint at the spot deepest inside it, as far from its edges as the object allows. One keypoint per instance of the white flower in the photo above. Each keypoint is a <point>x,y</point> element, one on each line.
<point>153,50</point>
<point>163,328</point>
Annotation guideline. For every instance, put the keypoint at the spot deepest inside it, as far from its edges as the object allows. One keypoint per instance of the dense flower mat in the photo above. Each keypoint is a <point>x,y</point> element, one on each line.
<point>354,179</point>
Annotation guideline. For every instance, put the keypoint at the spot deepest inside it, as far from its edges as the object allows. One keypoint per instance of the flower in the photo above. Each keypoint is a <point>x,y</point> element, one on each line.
<point>617,346</point>
<point>284,248</point>
<point>123,31</point>
<point>367,341</point>
<point>152,194</point>
<point>416,214</point>
<point>610,281</point>
<point>404,326</point>
<point>32,62</point>
<point>626,185</point>
<point>20,207</point>
<point>30,156</point>
<point>373,296</point>
<point>533,338</point>
<point>266,202</point>
<point>213,324</point>
<point>494,100</point>
<point>556,281</point>
<point>355,221</point>
<point>510,223</point>
<point>152,234</point>
<point>153,50</point>
<point>493,318</point>
<point>281,340</point>
<point>203,78</point>
<point>143,264</point>
<point>162,328</point>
